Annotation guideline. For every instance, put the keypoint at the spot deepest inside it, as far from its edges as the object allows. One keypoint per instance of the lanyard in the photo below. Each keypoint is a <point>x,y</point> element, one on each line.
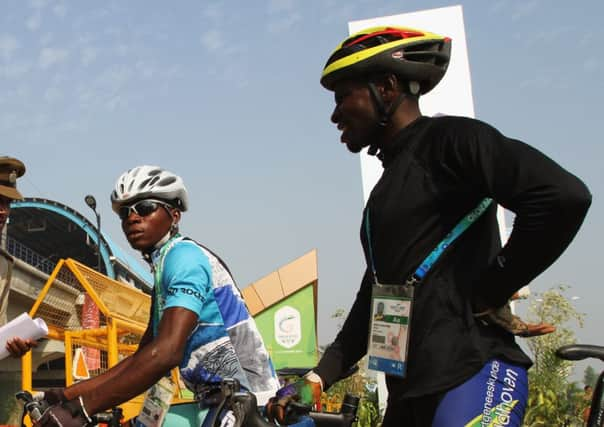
<point>158,266</point>
<point>431,259</point>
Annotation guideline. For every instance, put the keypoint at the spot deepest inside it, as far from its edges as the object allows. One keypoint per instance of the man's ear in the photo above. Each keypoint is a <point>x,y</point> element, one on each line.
<point>175,215</point>
<point>389,87</point>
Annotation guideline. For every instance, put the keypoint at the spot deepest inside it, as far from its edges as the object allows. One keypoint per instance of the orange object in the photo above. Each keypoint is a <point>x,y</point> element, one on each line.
<point>80,370</point>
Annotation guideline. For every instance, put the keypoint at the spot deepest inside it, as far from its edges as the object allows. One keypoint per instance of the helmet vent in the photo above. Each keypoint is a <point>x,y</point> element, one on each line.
<point>167,181</point>
<point>144,184</point>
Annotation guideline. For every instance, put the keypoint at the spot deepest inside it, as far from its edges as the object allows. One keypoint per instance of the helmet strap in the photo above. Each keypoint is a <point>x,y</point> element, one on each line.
<point>164,239</point>
<point>171,232</point>
<point>384,113</point>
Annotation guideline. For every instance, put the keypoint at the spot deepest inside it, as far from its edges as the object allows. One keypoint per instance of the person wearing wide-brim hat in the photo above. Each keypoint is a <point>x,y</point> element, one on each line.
<point>10,170</point>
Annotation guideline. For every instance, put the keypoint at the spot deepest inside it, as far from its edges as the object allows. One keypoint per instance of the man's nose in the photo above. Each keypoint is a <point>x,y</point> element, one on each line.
<point>335,115</point>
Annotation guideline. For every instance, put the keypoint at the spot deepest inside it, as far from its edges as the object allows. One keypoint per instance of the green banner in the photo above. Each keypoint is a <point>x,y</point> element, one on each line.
<point>289,331</point>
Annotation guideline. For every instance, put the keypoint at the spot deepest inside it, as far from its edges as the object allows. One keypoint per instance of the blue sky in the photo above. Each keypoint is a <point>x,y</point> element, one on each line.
<point>226,94</point>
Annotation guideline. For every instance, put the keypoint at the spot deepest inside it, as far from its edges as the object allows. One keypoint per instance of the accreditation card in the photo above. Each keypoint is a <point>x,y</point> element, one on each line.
<point>389,329</point>
<point>157,403</point>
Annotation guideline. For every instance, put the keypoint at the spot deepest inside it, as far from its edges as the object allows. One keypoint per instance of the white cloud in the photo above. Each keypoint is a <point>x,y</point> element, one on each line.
<point>53,94</point>
<point>592,64</point>
<point>114,103</point>
<point>88,55</point>
<point>15,69</point>
<point>122,49</point>
<point>38,4</point>
<point>8,45</point>
<point>214,12</point>
<point>144,70</point>
<point>280,5</point>
<point>72,126</point>
<point>8,121</point>
<point>60,10</point>
<point>283,15</point>
<point>284,23</point>
<point>34,21</point>
<point>212,40</point>
<point>525,8</point>
<point>51,56</point>
<point>517,10</point>
<point>114,78</point>
<point>46,39</point>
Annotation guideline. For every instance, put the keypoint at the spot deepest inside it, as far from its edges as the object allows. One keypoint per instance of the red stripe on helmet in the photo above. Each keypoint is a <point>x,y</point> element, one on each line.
<point>404,34</point>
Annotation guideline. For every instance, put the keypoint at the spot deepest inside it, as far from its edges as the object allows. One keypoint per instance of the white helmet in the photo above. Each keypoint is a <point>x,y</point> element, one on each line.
<point>149,182</point>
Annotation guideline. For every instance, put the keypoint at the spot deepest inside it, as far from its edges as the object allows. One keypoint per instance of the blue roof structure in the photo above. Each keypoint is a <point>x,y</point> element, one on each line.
<point>53,230</point>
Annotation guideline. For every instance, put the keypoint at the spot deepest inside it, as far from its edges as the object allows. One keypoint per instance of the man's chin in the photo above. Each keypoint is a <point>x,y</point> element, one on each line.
<point>354,147</point>
<point>138,245</point>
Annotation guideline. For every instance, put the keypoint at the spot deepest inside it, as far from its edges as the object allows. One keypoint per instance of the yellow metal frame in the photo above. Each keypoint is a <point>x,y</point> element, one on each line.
<point>125,310</point>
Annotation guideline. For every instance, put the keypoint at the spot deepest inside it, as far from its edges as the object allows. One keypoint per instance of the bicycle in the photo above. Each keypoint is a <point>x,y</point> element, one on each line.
<point>577,352</point>
<point>228,396</point>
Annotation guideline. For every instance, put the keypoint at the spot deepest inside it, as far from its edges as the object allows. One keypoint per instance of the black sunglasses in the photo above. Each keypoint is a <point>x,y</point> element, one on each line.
<point>141,208</point>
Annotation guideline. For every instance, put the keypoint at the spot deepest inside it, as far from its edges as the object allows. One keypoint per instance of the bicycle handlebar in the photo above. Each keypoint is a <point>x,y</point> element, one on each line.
<point>244,405</point>
<point>580,352</point>
<point>248,404</point>
<point>35,409</point>
<point>344,418</point>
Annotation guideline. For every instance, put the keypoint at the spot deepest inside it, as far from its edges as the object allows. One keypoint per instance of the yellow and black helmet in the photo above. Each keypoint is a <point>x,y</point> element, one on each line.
<point>414,55</point>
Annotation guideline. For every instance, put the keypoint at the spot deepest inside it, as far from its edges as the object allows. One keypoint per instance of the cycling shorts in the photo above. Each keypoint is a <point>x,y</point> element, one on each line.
<point>494,397</point>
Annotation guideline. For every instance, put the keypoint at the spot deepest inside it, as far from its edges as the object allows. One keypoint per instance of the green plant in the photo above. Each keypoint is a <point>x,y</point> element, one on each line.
<point>553,399</point>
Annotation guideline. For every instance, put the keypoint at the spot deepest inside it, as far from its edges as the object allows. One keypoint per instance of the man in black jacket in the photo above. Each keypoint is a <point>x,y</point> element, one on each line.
<point>460,367</point>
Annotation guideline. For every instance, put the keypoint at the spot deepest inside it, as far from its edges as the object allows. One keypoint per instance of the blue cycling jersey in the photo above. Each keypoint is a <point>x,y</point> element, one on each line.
<point>226,342</point>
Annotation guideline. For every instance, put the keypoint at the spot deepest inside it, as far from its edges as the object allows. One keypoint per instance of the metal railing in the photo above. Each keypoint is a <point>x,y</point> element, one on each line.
<point>25,254</point>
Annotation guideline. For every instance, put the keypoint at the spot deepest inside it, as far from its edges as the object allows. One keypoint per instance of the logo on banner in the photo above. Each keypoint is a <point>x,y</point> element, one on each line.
<point>288,326</point>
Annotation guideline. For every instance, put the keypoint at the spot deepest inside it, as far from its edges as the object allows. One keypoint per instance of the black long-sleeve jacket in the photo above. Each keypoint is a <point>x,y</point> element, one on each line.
<point>435,172</point>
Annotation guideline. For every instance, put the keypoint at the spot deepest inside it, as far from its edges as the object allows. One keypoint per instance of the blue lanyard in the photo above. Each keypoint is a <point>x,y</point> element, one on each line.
<point>431,259</point>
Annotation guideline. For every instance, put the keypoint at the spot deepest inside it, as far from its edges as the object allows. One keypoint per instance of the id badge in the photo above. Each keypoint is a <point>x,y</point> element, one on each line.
<point>389,330</point>
<point>156,405</point>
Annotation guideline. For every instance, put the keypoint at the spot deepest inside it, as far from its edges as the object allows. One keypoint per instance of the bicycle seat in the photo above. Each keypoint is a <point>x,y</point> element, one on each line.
<point>580,352</point>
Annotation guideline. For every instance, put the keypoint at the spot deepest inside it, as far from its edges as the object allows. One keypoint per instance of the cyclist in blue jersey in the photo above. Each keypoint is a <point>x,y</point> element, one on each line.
<point>462,365</point>
<point>198,322</point>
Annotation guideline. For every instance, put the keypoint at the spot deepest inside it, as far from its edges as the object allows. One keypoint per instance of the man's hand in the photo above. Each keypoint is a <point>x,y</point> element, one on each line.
<point>505,319</point>
<point>65,414</point>
<point>54,396</point>
<point>18,346</point>
<point>305,391</point>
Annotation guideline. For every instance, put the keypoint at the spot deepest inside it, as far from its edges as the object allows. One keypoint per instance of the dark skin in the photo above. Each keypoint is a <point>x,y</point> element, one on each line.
<point>16,346</point>
<point>155,356</point>
<point>356,116</point>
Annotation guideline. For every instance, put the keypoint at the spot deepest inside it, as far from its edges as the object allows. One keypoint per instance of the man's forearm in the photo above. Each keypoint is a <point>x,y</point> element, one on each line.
<point>126,380</point>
